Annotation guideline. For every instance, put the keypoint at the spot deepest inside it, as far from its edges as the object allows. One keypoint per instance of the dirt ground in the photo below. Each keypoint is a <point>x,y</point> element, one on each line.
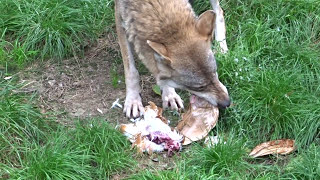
<point>84,87</point>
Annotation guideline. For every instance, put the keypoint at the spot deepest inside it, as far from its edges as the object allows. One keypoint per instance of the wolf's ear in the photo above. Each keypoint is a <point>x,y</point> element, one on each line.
<point>160,49</point>
<point>206,23</point>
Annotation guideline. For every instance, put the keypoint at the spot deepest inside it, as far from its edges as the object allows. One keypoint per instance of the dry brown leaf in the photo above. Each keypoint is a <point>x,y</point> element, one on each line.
<point>281,146</point>
<point>198,121</point>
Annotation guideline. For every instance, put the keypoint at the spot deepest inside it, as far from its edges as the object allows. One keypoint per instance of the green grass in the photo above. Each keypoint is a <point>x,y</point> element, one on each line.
<point>158,175</point>
<point>55,28</point>
<point>13,55</point>
<point>35,147</point>
<point>19,123</point>
<point>87,152</point>
<point>272,71</point>
<point>57,158</point>
<point>110,149</point>
<point>306,165</point>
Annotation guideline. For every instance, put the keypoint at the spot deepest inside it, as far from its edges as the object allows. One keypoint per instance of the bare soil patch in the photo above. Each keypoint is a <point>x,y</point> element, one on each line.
<point>82,87</point>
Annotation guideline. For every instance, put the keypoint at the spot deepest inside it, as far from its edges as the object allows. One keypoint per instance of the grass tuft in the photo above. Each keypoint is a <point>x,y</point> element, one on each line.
<point>55,28</point>
<point>220,160</point>
<point>305,165</point>
<point>109,148</point>
<point>58,158</point>
<point>20,123</point>
<point>157,175</point>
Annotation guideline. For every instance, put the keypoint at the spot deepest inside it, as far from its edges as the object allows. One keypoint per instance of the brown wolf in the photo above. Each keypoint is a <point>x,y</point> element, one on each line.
<point>175,45</point>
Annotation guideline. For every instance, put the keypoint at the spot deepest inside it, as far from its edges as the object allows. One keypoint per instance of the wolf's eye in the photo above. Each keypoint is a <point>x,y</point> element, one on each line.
<point>201,88</point>
<point>197,88</point>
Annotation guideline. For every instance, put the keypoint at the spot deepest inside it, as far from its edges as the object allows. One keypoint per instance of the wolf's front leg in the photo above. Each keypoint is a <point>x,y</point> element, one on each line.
<point>133,105</point>
<point>170,98</point>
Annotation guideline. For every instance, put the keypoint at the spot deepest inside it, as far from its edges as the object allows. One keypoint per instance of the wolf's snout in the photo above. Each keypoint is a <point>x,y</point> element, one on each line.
<point>224,104</point>
<point>224,100</point>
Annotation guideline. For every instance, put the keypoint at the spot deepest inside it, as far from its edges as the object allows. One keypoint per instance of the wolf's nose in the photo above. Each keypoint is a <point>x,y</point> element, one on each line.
<point>224,104</point>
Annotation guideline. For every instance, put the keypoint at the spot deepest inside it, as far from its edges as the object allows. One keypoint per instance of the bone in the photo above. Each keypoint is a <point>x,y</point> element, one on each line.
<point>220,30</point>
<point>198,120</point>
<point>116,104</point>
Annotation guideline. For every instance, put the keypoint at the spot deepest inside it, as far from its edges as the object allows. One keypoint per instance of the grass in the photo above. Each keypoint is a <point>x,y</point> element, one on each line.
<point>13,55</point>
<point>110,149</point>
<point>35,147</point>
<point>275,66</point>
<point>57,158</point>
<point>55,28</point>
<point>19,121</point>
<point>222,160</point>
<point>90,151</point>
<point>306,165</point>
<point>272,71</point>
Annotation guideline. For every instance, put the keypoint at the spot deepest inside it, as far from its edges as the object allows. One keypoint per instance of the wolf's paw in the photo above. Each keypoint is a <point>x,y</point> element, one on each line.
<point>170,99</point>
<point>133,107</point>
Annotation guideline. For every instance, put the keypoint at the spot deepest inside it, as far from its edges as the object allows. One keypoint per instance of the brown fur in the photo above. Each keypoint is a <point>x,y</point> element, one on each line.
<point>173,43</point>
<point>149,20</point>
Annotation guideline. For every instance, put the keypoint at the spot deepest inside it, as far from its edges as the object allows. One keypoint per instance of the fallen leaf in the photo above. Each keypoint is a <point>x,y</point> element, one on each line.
<point>281,146</point>
<point>156,89</point>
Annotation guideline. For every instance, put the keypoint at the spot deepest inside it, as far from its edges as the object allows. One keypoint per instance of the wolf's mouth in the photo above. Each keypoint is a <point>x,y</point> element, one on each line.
<point>193,98</point>
<point>199,102</point>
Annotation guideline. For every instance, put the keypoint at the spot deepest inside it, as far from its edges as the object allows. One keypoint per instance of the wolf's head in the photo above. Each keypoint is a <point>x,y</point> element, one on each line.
<point>188,62</point>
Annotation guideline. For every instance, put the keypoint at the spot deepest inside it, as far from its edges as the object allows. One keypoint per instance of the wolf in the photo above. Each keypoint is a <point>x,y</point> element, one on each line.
<point>175,46</point>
